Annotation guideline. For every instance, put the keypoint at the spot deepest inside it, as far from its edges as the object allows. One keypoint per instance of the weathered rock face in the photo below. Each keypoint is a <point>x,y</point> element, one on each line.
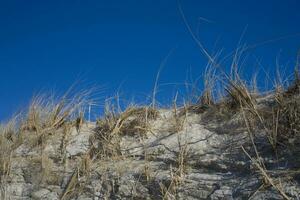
<point>194,156</point>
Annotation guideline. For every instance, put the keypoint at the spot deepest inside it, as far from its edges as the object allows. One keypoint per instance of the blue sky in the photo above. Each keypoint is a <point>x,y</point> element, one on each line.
<point>120,44</point>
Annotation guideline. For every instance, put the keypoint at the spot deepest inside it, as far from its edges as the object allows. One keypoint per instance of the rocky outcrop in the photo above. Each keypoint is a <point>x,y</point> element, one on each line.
<point>189,156</point>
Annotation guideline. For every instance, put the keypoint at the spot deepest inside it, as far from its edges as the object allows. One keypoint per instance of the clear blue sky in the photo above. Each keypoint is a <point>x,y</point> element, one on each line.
<point>50,44</point>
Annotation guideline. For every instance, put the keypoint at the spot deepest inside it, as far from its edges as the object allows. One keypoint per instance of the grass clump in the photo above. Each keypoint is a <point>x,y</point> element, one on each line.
<point>288,113</point>
<point>209,80</point>
<point>134,121</point>
<point>9,140</point>
<point>50,112</point>
<point>46,115</point>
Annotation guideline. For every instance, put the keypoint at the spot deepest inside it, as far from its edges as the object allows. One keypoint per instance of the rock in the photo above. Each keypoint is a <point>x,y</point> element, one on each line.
<point>16,191</point>
<point>40,194</point>
<point>200,160</point>
<point>79,143</point>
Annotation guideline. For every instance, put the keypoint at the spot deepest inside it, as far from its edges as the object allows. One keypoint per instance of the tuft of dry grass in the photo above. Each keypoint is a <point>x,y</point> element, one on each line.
<point>209,79</point>
<point>288,114</point>
<point>169,189</point>
<point>5,156</point>
<point>239,95</point>
<point>9,140</point>
<point>47,113</point>
<point>237,90</point>
<point>179,117</point>
<point>134,121</point>
<point>50,112</point>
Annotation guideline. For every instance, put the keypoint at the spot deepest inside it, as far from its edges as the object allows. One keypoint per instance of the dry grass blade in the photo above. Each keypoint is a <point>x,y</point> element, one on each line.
<point>258,162</point>
<point>266,176</point>
<point>71,185</point>
<point>74,185</point>
<point>210,78</point>
<point>155,89</point>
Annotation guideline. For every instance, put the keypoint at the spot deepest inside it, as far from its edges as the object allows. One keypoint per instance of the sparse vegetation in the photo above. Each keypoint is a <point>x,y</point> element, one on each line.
<point>271,121</point>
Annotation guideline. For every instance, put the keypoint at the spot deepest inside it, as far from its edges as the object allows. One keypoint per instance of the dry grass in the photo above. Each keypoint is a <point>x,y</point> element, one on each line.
<point>257,160</point>
<point>134,121</point>
<point>9,140</point>
<point>287,115</point>
<point>5,156</point>
<point>209,79</point>
<point>47,113</point>
<point>280,122</point>
<point>281,126</point>
<point>239,95</point>
<point>182,157</point>
<point>179,117</point>
<point>265,175</point>
<point>168,190</point>
<point>50,112</point>
<point>78,179</point>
